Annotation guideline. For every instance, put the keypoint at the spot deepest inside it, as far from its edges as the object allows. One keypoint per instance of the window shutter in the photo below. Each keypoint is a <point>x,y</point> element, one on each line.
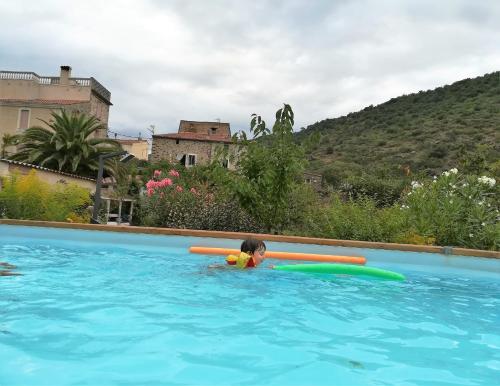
<point>24,118</point>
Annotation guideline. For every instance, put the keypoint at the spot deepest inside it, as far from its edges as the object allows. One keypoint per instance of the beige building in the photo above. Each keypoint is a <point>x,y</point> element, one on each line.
<point>26,97</point>
<point>196,143</point>
<point>9,167</point>
<point>137,147</point>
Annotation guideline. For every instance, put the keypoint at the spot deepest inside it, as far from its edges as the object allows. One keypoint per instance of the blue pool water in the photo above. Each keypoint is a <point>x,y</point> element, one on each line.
<point>102,308</point>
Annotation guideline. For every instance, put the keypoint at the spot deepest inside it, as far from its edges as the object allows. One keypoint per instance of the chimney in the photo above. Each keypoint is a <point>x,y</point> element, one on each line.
<point>65,75</point>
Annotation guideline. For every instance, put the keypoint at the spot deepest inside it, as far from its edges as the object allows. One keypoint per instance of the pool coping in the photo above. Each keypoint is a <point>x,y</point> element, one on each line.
<point>267,237</point>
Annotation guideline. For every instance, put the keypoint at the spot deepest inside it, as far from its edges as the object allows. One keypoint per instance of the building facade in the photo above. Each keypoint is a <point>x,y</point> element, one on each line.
<point>196,143</point>
<point>9,167</point>
<point>27,98</point>
<point>137,147</point>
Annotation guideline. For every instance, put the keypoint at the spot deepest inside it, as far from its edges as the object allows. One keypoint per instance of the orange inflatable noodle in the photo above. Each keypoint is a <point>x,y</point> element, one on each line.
<point>284,255</point>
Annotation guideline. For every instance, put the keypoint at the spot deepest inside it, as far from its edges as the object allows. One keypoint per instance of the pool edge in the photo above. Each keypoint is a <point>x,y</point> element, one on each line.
<point>268,237</point>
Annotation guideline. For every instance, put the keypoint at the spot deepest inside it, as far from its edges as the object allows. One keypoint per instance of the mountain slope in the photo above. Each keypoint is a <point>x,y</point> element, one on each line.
<point>426,131</point>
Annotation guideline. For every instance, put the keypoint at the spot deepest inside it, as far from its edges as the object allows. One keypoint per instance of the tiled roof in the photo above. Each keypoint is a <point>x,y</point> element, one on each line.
<point>45,169</point>
<point>196,137</point>
<point>43,101</point>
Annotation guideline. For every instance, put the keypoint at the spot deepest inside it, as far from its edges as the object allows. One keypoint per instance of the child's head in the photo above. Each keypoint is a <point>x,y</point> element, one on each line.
<point>253,247</point>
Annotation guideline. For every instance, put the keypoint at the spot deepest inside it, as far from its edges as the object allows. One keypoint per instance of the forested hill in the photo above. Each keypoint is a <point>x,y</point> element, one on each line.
<point>426,131</point>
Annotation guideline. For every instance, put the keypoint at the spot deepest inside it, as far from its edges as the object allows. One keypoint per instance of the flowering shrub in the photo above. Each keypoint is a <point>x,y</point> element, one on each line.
<point>29,198</point>
<point>168,203</point>
<point>452,209</point>
<point>455,209</point>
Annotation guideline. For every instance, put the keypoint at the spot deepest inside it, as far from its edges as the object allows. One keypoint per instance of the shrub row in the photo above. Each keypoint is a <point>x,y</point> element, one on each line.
<point>27,197</point>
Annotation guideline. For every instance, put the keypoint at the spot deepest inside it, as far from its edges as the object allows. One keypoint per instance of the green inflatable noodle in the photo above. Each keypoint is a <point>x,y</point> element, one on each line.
<point>341,269</point>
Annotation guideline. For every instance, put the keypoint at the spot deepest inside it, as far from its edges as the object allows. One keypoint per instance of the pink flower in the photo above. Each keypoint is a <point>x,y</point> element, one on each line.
<point>179,188</point>
<point>150,192</point>
<point>164,182</point>
<point>157,173</point>
<point>173,173</point>
<point>151,184</point>
<point>193,190</point>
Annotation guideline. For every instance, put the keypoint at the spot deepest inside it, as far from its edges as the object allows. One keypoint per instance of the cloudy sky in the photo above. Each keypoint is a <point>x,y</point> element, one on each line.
<point>200,60</point>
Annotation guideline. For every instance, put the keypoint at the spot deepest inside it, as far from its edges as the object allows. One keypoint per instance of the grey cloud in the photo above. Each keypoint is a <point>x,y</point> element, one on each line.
<point>165,61</point>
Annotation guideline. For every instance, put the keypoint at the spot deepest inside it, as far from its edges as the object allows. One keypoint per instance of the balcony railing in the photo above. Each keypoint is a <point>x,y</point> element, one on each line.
<point>95,86</point>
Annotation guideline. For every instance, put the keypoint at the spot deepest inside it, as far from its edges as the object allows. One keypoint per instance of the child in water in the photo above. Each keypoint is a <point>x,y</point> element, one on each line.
<point>251,255</point>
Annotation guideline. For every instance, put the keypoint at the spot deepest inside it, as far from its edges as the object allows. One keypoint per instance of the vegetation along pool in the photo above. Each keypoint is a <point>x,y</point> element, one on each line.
<point>112,308</point>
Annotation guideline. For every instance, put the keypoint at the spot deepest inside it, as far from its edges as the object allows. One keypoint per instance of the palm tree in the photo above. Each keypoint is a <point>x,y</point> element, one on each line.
<point>7,141</point>
<point>67,146</point>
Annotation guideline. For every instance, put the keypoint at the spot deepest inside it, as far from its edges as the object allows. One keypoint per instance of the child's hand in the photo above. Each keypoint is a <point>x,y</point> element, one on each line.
<point>271,266</point>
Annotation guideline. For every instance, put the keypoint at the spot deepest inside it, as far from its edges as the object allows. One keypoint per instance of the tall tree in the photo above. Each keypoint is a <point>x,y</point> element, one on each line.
<point>67,145</point>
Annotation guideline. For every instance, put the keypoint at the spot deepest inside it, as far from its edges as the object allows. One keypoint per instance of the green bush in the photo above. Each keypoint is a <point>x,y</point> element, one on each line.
<point>384,191</point>
<point>29,198</point>
<point>454,209</point>
<point>355,220</point>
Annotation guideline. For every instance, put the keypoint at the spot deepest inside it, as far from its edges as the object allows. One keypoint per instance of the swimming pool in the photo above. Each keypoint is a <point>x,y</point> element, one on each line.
<point>113,308</point>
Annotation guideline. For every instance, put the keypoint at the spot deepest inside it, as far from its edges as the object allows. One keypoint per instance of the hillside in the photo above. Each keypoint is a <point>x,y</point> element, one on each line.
<point>428,131</point>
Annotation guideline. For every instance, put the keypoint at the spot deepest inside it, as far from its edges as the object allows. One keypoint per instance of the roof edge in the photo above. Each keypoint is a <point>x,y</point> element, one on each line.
<point>9,161</point>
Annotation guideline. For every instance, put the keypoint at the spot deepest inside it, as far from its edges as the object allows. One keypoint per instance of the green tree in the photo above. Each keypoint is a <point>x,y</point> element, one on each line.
<point>270,169</point>
<point>8,140</point>
<point>67,145</point>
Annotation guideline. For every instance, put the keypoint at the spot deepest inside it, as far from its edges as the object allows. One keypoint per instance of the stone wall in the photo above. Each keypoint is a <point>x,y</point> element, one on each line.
<point>99,109</point>
<point>206,128</point>
<point>172,150</point>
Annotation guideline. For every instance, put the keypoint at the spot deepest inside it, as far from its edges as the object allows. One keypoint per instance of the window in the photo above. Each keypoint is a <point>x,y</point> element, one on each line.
<point>225,163</point>
<point>187,160</point>
<point>24,119</point>
<point>213,130</point>
<point>191,160</point>
<point>177,141</point>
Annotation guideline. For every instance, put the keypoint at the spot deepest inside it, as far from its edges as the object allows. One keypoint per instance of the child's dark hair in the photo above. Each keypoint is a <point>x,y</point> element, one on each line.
<point>251,245</point>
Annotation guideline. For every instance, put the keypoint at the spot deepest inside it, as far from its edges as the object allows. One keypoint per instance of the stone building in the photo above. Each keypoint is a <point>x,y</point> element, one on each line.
<point>196,143</point>
<point>314,179</point>
<point>26,97</point>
